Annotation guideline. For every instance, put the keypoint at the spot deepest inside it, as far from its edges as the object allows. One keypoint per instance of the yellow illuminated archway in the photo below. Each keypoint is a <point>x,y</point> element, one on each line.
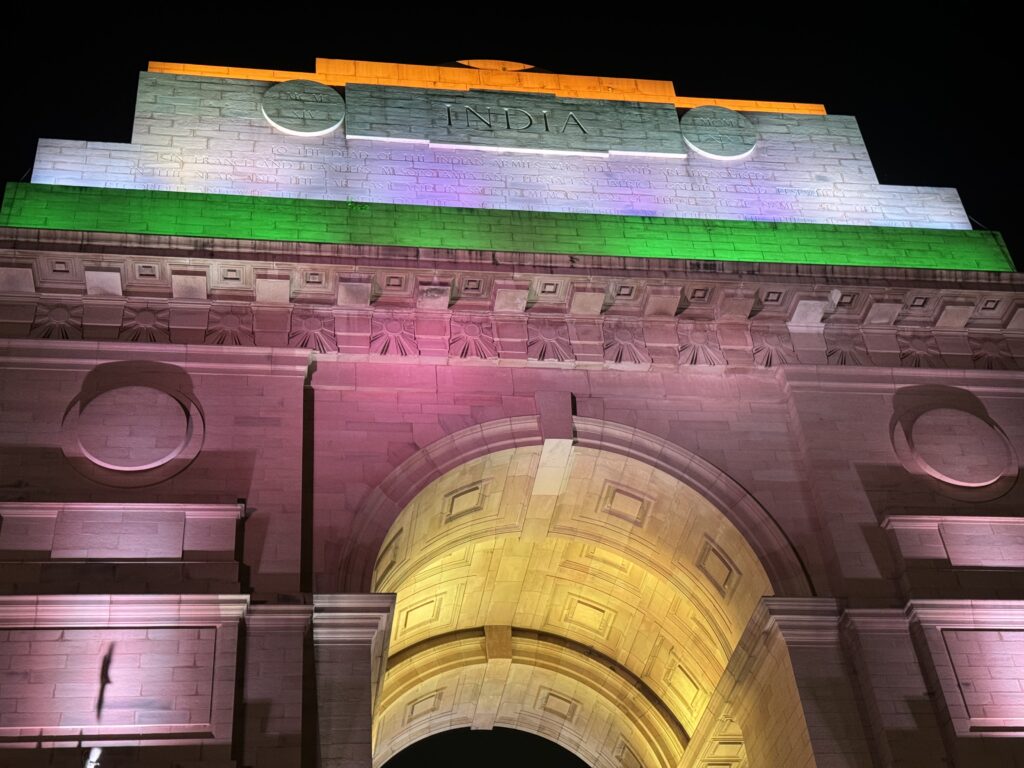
<point>567,591</point>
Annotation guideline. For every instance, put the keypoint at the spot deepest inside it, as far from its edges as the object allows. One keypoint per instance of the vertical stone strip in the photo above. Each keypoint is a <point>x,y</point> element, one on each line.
<point>350,637</point>
<point>896,696</point>
<point>273,688</point>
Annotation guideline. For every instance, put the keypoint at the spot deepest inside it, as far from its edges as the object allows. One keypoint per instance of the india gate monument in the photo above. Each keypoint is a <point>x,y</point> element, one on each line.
<point>344,408</point>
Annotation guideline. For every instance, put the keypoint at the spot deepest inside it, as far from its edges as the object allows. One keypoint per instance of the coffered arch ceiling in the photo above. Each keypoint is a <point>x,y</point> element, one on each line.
<point>568,591</point>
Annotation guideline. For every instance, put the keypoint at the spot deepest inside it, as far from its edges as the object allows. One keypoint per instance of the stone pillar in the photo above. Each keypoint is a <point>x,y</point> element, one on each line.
<point>350,639</point>
<point>274,685</point>
<point>792,689</point>
<point>897,699</point>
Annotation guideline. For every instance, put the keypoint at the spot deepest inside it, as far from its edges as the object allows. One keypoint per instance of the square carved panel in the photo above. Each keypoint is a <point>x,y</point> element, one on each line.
<point>464,501</point>
<point>424,706</point>
<point>719,568</point>
<point>557,704</point>
<point>588,615</point>
<point>625,504</point>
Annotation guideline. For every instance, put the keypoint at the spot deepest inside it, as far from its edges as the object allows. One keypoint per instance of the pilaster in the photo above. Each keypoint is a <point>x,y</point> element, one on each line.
<point>350,637</point>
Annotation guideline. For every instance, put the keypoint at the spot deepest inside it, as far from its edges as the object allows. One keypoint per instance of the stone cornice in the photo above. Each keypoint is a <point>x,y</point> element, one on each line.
<point>86,354</point>
<point>119,610</point>
<point>52,509</point>
<point>801,621</point>
<point>354,619</point>
<point>105,292</point>
<point>279,617</point>
<point>875,620</point>
<point>886,380</point>
<point>566,236</point>
<point>27,242</point>
<point>971,614</point>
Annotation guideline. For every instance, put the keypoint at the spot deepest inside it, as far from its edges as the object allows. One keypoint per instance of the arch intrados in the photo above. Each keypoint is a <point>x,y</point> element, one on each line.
<point>653,730</point>
<point>782,564</point>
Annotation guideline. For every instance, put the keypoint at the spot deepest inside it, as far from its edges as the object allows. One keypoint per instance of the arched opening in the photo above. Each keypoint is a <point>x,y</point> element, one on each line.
<point>565,590</point>
<point>498,748</point>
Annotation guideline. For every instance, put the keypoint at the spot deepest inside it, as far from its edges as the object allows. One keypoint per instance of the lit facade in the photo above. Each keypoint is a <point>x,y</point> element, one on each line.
<point>346,407</point>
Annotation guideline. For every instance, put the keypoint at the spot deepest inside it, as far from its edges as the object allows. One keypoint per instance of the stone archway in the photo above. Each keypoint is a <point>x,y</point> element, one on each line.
<point>573,591</point>
<point>785,570</point>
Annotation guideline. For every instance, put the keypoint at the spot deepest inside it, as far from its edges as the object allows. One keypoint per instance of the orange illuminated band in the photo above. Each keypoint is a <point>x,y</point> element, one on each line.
<point>341,72</point>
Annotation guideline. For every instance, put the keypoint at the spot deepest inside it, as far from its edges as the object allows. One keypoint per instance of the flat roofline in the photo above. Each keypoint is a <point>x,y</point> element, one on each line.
<point>341,72</point>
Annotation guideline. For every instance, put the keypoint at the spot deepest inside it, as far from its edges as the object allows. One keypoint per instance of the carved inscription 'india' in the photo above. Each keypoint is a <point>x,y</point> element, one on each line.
<point>512,119</point>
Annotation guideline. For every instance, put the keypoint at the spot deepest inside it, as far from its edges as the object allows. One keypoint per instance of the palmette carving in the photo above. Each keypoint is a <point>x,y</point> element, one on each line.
<point>393,335</point>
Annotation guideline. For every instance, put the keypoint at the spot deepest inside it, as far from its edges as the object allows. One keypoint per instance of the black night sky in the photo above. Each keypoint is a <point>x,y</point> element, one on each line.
<point>933,97</point>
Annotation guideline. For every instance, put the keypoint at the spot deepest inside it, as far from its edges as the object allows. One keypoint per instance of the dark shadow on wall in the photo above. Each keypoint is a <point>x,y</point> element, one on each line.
<point>892,491</point>
<point>239,715</point>
<point>909,401</point>
<point>41,473</point>
<point>922,745</point>
<point>308,479</point>
<point>310,707</point>
<point>136,373</point>
<point>39,470</point>
<point>908,487</point>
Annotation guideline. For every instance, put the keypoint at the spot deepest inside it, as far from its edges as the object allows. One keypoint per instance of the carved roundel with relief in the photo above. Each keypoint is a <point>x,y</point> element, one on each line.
<point>964,451</point>
<point>132,435</point>
<point>303,108</point>
<point>718,133</point>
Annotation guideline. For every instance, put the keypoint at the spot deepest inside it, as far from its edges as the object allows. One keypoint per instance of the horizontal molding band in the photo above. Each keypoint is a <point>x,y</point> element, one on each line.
<point>189,214</point>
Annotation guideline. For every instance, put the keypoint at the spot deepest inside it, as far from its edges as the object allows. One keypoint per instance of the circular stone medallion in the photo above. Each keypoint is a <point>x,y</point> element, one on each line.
<point>959,448</point>
<point>132,435</point>
<point>132,428</point>
<point>718,133</point>
<point>963,452</point>
<point>303,108</point>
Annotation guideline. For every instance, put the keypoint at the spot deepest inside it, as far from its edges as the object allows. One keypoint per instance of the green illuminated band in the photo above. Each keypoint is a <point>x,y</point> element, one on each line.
<point>188,214</point>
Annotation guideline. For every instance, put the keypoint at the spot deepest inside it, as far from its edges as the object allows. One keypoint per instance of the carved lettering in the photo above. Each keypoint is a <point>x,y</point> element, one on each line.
<point>509,119</point>
<point>523,112</point>
<point>486,121</point>
<point>575,120</point>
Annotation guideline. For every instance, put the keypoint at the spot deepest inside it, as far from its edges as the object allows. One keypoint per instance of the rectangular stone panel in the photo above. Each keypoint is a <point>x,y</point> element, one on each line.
<point>526,121</point>
<point>989,671</point>
<point>993,543</point>
<point>113,534</point>
<point>125,668</point>
<point>26,536</point>
<point>963,542</point>
<point>973,652</point>
<point>157,677</point>
<point>92,531</point>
